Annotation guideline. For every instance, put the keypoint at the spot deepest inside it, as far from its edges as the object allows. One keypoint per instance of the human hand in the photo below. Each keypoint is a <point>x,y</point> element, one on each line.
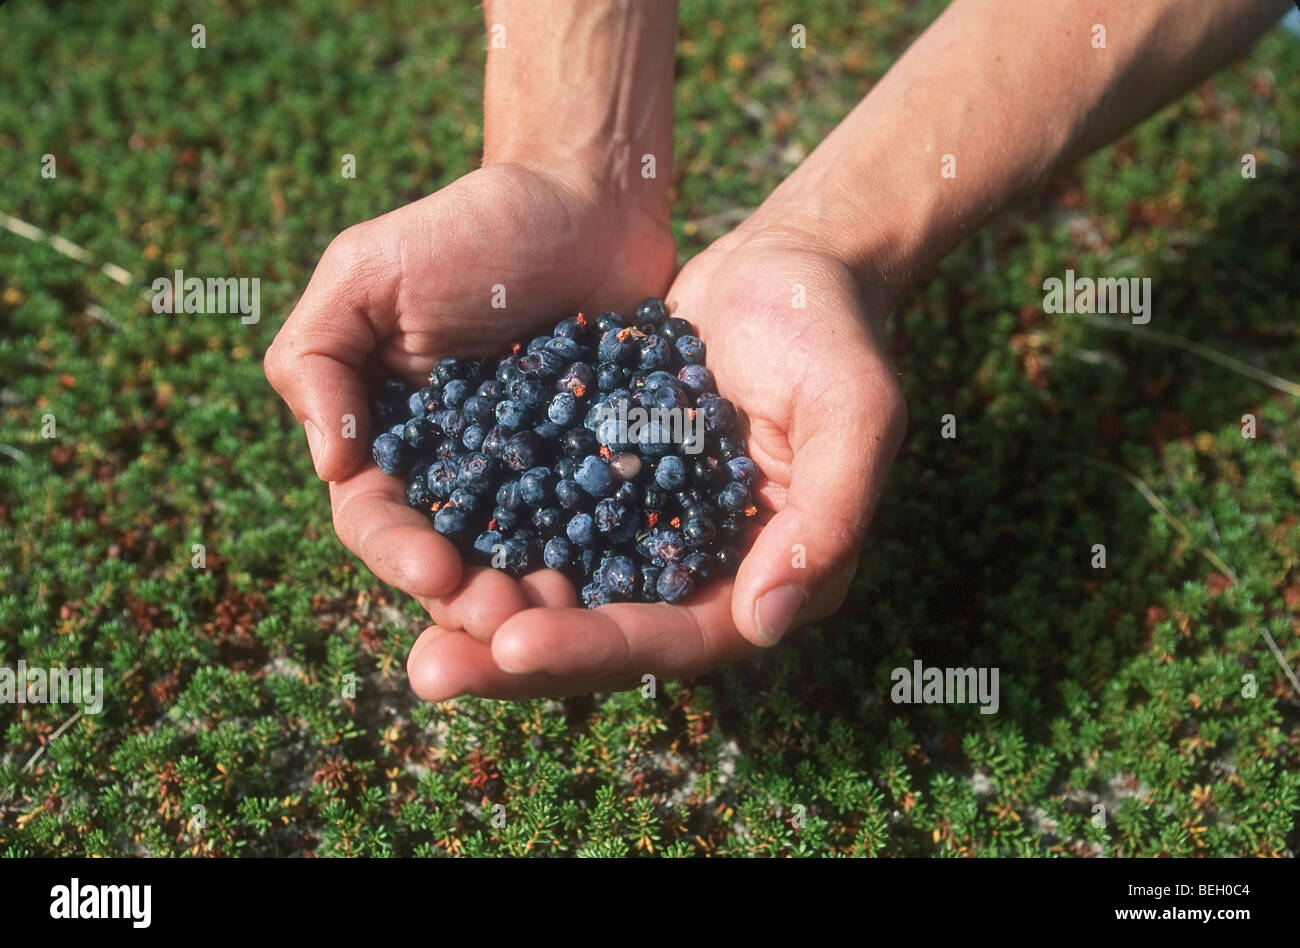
<point>392,296</point>
<point>825,418</point>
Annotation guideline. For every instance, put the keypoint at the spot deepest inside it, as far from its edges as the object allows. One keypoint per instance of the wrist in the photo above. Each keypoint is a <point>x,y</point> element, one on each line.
<point>582,94</point>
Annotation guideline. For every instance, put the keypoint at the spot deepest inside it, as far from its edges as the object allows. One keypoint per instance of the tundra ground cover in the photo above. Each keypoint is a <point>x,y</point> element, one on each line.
<point>258,705</point>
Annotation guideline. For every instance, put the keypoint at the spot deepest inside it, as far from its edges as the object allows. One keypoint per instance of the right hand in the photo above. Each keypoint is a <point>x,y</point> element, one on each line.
<point>393,295</point>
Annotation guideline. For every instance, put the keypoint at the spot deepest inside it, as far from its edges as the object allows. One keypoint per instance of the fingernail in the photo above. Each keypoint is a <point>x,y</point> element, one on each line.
<point>315,442</point>
<point>775,610</point>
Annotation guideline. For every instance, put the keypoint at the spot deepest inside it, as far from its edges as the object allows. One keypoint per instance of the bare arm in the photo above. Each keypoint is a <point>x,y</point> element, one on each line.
<point>1009,90</point>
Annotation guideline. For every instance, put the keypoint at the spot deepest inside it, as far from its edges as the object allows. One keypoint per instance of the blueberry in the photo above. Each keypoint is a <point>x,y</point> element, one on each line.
<point>610,515</point>
<point>543,363</point>
<point>448,449</point>
<point>654,440</point>
<point>417,495</point>
<point>734,497</point>
<point>506,371</point>
<point>493,390</point>
<point>697,380</point>
<point>649,579</point>
<point>473,437</point>
<point>511,414</point>
<point>528,392</point>
<point>707,472</point>
<point>595,477</point>
<point>522,451</point>
<point>504,518</point>
<point>487,542</point>
<point>535,486</point>
<point>548,520</point>
<point>494,442</point>
<point>475,473</point>
<point>581,529</point>
<point>430,396</point>
<point>564,468</point>
<point>563,409</point>
<point>666,545</point>
<point>673,328</point>
<point>719,414</point>
<point>627,494</point>
<point>674,583</point>
<point>578,380</point>
<point>418,432</point>
<point>691,349</point>
<point>699,531</point>
<point>569,494</point>
<point>594,594</point>
<point>668,398</point>
<point>607,321</point>
<point>615,346</point>
<point>452,422</point>
<point>654,353</point>
<point>670,472</point>
<point>580,442</point>
<point>463,498</point>
<point>397,429</point>
<point>451,519</point>
<point>699,564</point>
<point>564,347</point>
<point>657,379</point>
<point>415,405</point>
<point>569,328</point>
<point>652,310</point>
<point>510,495</point>
<point>455,392</point>
<point>519,552</point>
<point>480,410</point>
<point>441,478</point>
<point>446,370</point>
<point>618,574</point>
<point>611,376</point>
<point>740,468</point>
<point>558,553</point>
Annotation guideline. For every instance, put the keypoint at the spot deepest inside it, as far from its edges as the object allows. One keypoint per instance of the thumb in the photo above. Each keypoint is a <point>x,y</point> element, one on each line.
<point>315,361</point>
<point>803,561</point>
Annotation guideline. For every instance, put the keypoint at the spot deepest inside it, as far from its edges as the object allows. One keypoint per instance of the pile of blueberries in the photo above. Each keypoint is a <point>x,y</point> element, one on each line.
<point>525,465</point>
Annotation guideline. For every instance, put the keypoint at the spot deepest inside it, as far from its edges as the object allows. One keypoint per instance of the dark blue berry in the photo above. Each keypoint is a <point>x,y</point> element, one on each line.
<point>390,453</point>
<point>595,477</point>
<point>691,349</point>
<point>652,310</point>
<point>674,583</point>
<point>558,553</point>
<point>581,529</point>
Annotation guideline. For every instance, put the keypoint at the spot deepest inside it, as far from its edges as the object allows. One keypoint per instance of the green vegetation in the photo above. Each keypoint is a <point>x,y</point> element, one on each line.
<point>1121,687</point>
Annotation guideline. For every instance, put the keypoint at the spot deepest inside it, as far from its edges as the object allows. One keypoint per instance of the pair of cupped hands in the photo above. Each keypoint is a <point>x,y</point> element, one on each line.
<point>792,340</point>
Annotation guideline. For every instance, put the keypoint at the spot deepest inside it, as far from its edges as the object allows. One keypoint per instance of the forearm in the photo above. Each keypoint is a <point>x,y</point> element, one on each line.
<point>583,89</point>
<point>1009,90</point>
